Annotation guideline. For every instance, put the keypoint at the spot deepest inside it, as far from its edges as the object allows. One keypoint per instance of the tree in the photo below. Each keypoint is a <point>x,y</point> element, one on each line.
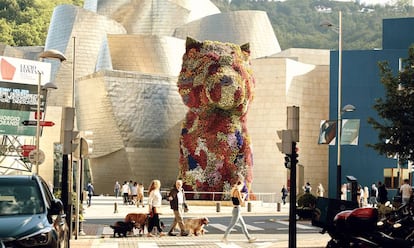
<point>396,110</point>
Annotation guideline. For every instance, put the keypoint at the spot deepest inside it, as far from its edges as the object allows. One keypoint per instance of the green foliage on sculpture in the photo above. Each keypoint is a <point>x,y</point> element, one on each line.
<point>216,83</point>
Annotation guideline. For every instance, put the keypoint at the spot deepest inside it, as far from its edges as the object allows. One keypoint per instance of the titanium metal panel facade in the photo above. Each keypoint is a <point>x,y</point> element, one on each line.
<point>237,27</point>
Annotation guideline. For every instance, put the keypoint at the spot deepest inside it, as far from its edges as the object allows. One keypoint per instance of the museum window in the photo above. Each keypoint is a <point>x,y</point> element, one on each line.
<point>391,177</point>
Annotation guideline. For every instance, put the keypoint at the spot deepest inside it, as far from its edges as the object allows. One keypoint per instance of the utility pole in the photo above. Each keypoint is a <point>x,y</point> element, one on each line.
<point>288,147</point>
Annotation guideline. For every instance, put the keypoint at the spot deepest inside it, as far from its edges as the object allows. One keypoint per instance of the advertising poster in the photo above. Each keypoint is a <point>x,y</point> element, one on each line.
<point>19,79</point>
<point>349,134</point>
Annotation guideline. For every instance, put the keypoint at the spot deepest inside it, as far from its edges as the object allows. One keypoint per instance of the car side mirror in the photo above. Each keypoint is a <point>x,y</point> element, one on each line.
<point>56,207</point>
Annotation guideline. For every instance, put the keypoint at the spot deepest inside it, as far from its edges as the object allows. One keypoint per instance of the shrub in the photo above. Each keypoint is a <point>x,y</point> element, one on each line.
<point>307,200</point>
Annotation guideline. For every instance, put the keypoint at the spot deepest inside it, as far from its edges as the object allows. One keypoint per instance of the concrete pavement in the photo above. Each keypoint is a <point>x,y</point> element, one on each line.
<point>107,207</point>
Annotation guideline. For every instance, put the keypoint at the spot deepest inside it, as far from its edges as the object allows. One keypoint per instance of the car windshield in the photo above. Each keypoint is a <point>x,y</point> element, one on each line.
<point>20,198</point>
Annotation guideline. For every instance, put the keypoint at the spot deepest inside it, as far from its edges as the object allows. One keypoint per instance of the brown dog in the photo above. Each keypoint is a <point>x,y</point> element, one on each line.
<point>196,225</point>
<point>140,219</point>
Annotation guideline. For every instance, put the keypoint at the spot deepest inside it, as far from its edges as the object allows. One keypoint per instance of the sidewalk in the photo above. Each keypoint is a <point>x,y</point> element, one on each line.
<point>107,207</point>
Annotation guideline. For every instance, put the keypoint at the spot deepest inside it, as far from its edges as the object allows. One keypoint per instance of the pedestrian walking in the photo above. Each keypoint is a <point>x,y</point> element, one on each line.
<point>140,198</point>
<point>284,194</point>
<point>382,193</point>
<point>154,204</point>
<point>130,184</point>
<point>177,201</point>
<point>125,192</point>
<point>373,195</point>
<point>358,193</point>
<point>320,190</point>
<point>344,192</point>
<point>307,188</point>
<point>117,188</point>
<point>134,193</point>
<point>406,191</point>
<point>90,191</point>
<point>238,200</point>
<point>366,196</point>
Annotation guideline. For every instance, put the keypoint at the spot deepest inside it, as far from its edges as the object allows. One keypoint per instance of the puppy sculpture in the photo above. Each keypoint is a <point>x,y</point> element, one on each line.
<point>216,84</point>
<point>196,225</point>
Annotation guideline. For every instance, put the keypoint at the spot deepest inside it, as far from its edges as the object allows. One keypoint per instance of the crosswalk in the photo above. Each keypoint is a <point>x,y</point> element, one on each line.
<point>202,243</point>
<point>221,228</point>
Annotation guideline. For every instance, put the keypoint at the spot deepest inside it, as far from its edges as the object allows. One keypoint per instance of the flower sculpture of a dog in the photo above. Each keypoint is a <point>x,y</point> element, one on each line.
<point>216,84</point>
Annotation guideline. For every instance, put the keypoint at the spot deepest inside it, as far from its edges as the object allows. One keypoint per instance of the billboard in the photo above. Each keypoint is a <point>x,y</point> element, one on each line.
<point>19,79</point>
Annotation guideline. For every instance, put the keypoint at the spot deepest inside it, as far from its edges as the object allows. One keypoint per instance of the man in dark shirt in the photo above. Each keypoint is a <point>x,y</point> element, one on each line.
<point>177,201</point>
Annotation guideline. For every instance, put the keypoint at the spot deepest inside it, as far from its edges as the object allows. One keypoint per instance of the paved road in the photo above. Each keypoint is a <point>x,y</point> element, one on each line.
<point>264,222</point>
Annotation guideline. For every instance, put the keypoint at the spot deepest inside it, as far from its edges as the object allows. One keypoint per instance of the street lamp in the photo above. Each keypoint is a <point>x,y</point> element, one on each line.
<point>49,54</point>
<point>347,108</point>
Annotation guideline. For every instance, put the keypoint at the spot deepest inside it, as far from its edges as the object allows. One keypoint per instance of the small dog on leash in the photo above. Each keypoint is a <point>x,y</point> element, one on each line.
<point>140,220</point>
<point>121,228</point>
<point>195,226</point>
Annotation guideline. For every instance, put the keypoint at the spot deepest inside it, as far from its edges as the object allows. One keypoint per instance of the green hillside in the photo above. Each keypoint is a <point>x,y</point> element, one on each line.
<point>297,22</point>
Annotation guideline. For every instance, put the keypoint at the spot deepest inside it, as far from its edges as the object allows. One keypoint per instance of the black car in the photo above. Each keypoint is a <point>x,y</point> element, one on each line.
<point>30,216</point>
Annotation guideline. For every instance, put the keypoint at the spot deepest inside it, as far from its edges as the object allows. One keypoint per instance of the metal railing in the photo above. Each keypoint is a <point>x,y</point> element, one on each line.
<point>216,196</point>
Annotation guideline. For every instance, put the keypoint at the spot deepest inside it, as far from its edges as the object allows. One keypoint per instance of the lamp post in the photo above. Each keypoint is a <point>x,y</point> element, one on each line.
<point>339,128</point>
<point>346,108</point>
<point>340,110</point>
<point>49,54</point>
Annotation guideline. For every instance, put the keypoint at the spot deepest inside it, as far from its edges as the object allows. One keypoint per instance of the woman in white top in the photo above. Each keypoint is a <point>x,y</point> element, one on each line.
<point>154,204</point>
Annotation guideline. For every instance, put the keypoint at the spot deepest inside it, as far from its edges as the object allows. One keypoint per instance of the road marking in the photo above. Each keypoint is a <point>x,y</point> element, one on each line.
<point>223,227</point>
<point>108,245</point>
<point>228,245</point>
<point>297,225</point>
<point>147,245</point>
<point>252,228</point>
<point>218,226</point>
<point>264,244</point>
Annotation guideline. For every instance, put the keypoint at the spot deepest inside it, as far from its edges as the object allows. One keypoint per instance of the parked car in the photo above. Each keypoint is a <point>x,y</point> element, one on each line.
<point>30,216</point>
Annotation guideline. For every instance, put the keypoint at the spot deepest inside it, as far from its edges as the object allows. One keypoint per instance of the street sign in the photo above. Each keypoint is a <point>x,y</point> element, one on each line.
<point>37,156</point>
<point>26,149</point>
<point>41,123</point>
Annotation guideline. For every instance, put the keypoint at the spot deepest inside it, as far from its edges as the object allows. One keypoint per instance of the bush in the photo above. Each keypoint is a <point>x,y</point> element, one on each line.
<point>307,200</point>
<point>306,206</point>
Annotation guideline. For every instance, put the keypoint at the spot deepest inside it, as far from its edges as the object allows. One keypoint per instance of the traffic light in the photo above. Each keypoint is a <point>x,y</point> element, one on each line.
<point>287,161</point>
<point>295,156</point>
<point>286,145</point>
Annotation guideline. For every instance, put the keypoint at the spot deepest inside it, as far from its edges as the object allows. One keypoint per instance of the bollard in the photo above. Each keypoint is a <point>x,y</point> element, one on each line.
<point>218,207</point>
<point>115,207</point>
<point>278,206</point>
<point>249,207</point>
